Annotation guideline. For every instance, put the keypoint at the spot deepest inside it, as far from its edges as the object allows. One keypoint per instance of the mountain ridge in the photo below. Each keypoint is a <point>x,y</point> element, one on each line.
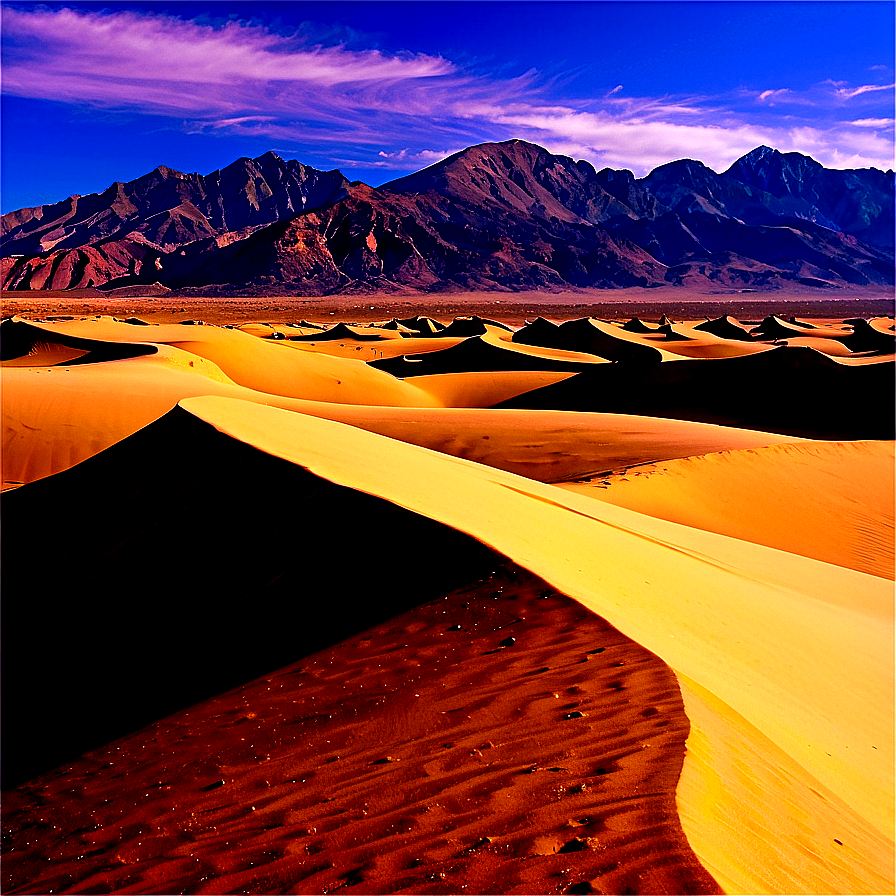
<point>493,217</point>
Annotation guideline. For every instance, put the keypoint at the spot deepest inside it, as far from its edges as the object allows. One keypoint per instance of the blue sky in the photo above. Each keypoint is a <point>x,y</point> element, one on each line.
<point>97,92</point>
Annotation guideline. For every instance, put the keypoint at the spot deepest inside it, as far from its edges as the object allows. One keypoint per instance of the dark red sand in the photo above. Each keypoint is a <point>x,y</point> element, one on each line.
<point>512,308</point>
<point>501,739</point>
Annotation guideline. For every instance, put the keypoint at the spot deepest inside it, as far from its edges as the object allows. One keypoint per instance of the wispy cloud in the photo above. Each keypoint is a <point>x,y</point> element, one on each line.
<point>396,110</point>
<point>163,64</point>
<point>415,156</point>
<point>873,123</point>
<point>770,96</point>
<point>849,93</point>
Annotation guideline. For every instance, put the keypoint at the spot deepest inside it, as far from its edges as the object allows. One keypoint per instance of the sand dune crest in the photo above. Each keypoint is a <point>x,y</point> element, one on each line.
<point>829,500</point>
<point>697,570</point>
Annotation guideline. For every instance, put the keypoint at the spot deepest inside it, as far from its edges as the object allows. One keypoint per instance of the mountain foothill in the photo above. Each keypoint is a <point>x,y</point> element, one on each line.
<point>494,217</point>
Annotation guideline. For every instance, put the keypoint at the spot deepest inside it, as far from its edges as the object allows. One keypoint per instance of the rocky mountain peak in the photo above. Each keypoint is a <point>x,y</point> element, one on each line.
<point>500,215</point>
<point>777,172</point>
<point>688,172</point>
<point>759,155</point>
<point>515,177</point>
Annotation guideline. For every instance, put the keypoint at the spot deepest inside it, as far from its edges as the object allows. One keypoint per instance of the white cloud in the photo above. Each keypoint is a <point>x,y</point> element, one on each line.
<point>851,93</point>
<point>873,123</point>
<point>770,95</point>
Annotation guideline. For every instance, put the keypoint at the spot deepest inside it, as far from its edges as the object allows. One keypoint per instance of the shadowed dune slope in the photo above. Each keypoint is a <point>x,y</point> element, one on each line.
<point>829,500</point>
<point>871,336</point>
<point>480,353</point>
<point>585,335</point>
<point>222,563</point>
<point>726,327</point>
<point>635,342</point>
<point>343,331</point>
<point>418,756</point>
<point>24,345</point>
<point>790,390</point>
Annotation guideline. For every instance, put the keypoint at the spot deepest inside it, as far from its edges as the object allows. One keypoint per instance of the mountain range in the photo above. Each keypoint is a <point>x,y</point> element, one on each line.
<point>497,216</point>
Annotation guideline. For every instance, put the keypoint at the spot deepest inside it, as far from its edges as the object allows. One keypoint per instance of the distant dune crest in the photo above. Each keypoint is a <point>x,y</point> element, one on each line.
<point>498,216</point>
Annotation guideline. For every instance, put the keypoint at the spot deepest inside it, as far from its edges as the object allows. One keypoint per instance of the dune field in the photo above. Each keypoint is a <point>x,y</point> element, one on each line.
<point>498,604</point>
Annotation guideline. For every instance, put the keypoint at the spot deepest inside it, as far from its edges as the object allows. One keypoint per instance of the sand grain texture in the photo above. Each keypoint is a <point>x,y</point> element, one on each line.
<point>418,756</point>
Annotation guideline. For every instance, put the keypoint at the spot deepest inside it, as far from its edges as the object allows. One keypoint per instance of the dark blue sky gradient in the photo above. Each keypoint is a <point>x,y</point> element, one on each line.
<point>687,79</point>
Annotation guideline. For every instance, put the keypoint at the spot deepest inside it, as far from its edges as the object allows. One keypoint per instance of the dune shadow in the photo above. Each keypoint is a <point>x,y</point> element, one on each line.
<point>20,339</point>
<point>790,390</point>
<point>180,563</point>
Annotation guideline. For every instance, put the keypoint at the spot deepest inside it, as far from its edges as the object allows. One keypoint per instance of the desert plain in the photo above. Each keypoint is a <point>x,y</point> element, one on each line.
<point>477,593</point>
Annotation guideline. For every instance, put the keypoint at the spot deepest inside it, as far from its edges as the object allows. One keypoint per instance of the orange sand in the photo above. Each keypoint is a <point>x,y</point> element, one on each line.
<point>752,568</point>
<point>830,501</point>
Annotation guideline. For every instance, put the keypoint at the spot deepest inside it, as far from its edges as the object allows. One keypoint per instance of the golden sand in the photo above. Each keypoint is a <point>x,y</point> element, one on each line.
<point>754,566</point>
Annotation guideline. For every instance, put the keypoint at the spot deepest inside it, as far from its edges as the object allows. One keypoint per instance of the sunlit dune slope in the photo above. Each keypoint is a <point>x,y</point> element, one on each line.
<point>258,364</point>
<point>722,612</point>
<point>372,351</point>
<point>833,501</point>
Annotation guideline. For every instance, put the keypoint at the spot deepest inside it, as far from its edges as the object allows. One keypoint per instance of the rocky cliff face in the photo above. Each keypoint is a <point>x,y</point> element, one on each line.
<point>497,216</point>
<point>857,202</point>
<point>155,215</point>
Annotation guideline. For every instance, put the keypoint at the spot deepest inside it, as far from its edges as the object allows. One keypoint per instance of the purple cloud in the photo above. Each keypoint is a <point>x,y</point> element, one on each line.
<point>391,110</point>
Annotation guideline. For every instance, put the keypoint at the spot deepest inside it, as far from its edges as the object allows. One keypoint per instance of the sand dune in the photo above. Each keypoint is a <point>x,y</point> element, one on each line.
<point>489,351</point>
<point>875,335</point>
<point>367,351</point>
<point>833,347</point>
<point>592,336</point>
<point>56,416</point>
<point>242,503</point>
<point>26,345</point>
<point>258,364</point>
<point>830,501</point>
<point>727,327</point>
<point>762,709</point>
<point>774,327</point>
<point>787,390</point>
<point>699,557</point>
<point>723,337</point>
